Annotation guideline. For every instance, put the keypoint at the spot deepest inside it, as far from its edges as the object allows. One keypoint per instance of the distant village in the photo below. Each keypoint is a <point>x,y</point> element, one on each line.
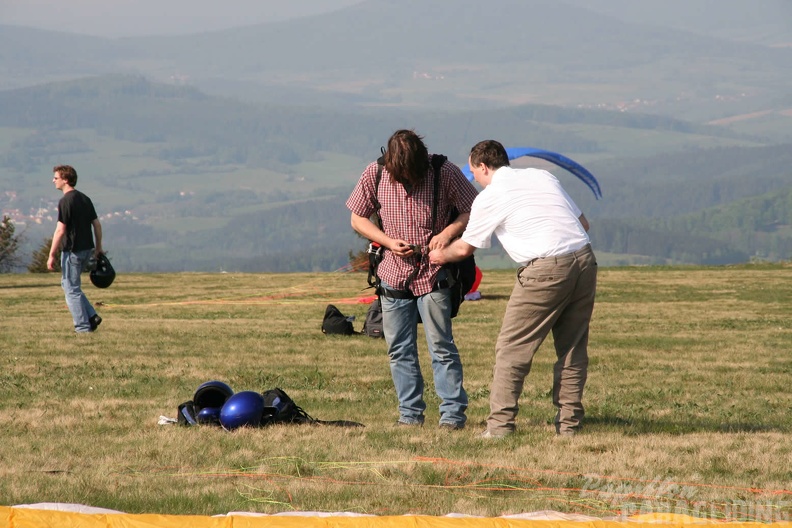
<point>45,213</point>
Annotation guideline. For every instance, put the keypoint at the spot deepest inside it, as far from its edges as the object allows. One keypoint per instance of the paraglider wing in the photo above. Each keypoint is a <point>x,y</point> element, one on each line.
<point>562,161</point>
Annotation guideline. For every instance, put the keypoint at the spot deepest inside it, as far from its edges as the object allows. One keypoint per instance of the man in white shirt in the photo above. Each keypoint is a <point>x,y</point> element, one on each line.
<point>544,231</point>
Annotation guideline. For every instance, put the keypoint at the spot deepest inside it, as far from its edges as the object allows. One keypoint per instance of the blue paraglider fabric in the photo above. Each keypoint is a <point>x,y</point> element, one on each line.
<point>553,157</point>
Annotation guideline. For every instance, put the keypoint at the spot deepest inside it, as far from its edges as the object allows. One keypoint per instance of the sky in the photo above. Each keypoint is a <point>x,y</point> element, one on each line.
<point>125,18</point>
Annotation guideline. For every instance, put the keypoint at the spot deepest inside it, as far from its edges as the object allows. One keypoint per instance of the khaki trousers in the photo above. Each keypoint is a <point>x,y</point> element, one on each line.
<point>553,293</point>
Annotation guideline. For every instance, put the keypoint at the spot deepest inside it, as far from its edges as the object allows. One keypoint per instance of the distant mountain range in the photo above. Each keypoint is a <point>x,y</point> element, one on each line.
<point>236,149</point>
<point>461,54</point>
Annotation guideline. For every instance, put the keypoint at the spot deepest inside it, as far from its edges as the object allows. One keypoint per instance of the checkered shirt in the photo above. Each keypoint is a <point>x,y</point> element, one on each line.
<point>408,216</point>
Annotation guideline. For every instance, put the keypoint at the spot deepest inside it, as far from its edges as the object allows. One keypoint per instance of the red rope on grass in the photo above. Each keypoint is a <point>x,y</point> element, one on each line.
<point>607,477</point>
<point>512,482</point>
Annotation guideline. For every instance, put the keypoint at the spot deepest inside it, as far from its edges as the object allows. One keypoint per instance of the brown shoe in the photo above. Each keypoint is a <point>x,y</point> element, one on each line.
<point>448,426</point>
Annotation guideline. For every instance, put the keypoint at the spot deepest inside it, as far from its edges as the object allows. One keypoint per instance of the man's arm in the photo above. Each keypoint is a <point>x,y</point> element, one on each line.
<point>453,231</point>
<point>57,240</point>
<point>97,228</point>
<point>457,251</point>
<point>366,228</point>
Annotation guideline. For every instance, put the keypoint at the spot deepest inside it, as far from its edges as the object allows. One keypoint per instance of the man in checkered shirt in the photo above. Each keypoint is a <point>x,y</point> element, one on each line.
<point>410,285</point>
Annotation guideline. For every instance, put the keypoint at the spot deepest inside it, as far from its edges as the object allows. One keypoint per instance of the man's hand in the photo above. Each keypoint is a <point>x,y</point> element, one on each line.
<point>439,241</point>
<point>57,238</point>
<point>401,248</point>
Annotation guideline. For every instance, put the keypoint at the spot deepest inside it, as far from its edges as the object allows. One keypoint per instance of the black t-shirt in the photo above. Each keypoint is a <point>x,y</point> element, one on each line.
<point>76,211</point>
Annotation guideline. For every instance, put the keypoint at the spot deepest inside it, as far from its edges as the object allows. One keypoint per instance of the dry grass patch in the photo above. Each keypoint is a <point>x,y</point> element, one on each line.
<point>687,402</point>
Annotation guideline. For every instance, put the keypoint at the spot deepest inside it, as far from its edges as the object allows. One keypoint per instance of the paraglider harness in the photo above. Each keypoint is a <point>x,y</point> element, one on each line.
<point>460,276</point>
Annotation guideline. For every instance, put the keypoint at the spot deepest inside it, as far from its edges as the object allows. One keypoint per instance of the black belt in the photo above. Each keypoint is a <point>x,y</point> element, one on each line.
<point>407,294</point>
<point>395,294</point>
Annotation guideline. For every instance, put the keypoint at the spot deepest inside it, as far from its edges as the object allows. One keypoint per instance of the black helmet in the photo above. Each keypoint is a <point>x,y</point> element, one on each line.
<point>211,394</point>
<point>103,275</point>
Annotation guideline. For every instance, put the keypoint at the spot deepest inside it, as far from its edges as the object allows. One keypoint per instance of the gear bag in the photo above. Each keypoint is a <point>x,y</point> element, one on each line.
<point>280,408</point>
<point>372,326</point>
<point>335,322</point>
<point>463,275</point>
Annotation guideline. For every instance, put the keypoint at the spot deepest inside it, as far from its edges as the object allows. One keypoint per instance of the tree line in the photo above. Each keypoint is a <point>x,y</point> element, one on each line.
<point>10,247</point>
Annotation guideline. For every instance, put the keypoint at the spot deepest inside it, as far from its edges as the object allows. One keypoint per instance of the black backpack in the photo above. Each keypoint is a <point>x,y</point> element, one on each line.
<point>280,408</point>
<point>335,322</point>
<point>461,275</point>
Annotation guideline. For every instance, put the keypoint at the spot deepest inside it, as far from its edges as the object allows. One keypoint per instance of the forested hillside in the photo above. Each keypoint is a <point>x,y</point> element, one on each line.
<point>190,181</point>
<point>689,180</point>
<point>181,123</point>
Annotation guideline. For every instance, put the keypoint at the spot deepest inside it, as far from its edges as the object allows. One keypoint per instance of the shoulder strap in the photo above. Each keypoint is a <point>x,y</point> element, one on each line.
<point>437,165</point>
<point>437,162</point>
<point>380,165</point>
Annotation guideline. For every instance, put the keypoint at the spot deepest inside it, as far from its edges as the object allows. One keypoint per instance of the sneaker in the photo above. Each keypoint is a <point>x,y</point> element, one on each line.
<point>448,426</point>
<point>95,321</point>
<point>494,434</point>
<point>409,424</point>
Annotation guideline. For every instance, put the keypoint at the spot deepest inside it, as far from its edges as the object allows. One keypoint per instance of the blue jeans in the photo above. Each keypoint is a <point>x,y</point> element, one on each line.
<point>400,326</point>
<point>72,265</point>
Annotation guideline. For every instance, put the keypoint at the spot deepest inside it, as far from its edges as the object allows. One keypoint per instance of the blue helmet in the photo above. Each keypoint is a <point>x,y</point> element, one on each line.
<point>209,416</point>
<point>211,394</point>
<point>243,409</point>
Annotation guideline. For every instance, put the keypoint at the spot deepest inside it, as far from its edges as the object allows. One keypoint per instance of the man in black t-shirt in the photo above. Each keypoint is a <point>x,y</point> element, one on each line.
<point>73,237</point>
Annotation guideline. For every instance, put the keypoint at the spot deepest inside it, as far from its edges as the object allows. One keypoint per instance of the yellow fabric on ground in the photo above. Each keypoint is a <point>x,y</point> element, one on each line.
<point>27,517</point>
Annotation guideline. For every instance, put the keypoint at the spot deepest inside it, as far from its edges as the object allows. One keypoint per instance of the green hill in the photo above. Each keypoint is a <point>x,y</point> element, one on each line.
<point>190,181</point>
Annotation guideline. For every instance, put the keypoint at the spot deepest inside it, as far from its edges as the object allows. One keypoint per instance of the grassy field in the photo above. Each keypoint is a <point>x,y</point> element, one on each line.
<point>688,401</point>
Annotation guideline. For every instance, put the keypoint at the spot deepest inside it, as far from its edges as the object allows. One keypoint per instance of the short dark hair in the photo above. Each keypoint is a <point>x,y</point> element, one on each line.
<point>407,159</point>
<point>67,173</point>
<point>489,152</point>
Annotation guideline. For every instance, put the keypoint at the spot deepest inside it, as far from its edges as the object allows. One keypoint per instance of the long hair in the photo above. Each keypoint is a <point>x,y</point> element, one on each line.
<point>407,159</point>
